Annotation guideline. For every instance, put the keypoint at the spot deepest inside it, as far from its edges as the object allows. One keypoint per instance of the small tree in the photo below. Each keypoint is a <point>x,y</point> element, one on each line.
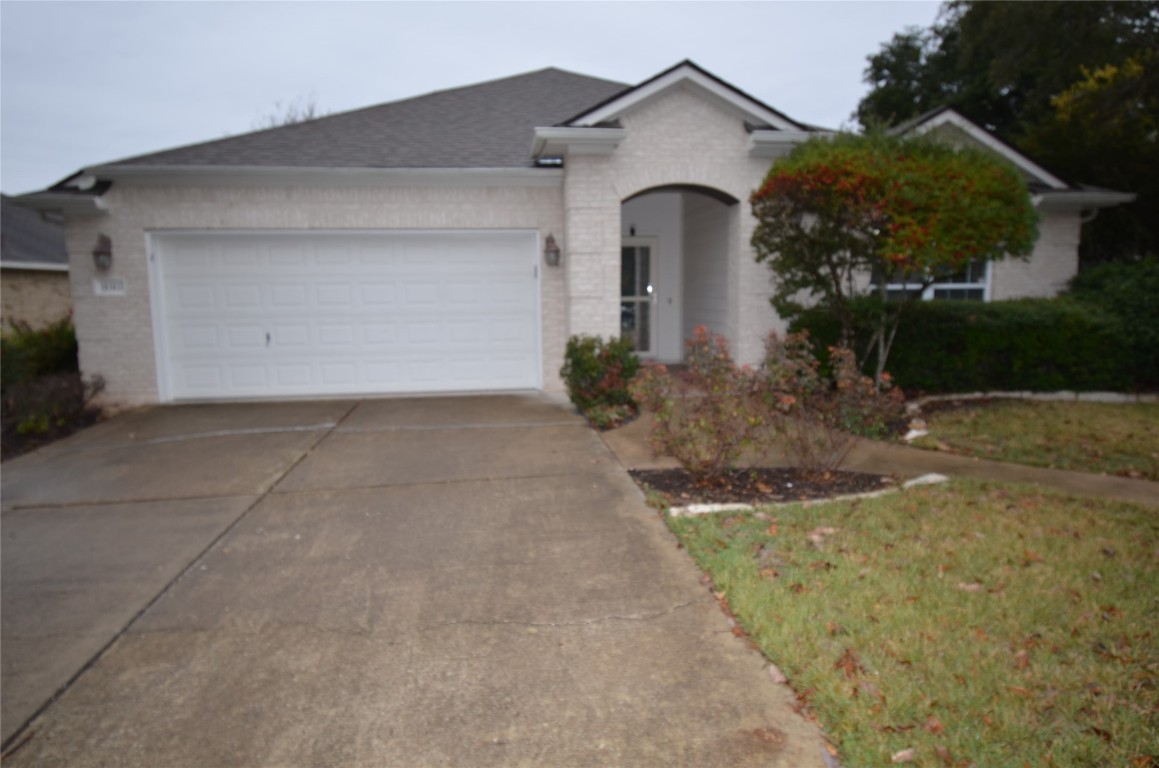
<point>846,216</point>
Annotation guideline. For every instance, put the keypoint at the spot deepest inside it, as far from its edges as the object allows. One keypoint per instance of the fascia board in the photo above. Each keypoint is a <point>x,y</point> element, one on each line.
<point>685,74</point>
<point>763,143</point>
<point>61,201</point>
<point>402,177</point>
<point>34,266</point>
<point>555,141</point>
<point>990,142</point>
<point>1082,199</point>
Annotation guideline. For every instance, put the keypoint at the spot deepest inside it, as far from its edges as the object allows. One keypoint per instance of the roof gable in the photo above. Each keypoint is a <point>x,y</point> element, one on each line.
<point>687,72</point>
<point>946,118</point>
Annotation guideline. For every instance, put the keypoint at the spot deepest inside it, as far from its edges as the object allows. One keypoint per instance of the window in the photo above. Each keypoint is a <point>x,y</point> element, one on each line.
<point>970,283</point>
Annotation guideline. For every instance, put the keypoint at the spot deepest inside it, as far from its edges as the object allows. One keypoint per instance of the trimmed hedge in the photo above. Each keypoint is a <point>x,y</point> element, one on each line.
<point>1129,293</point>
<point>1041,345</point>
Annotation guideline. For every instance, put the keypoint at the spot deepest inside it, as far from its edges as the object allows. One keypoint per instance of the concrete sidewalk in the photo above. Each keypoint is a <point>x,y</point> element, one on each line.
<point>630,445</point>
<point>452,581</point>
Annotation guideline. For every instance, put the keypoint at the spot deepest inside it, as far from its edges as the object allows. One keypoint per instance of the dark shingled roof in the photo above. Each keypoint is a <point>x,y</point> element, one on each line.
<point>25,237</point>
<point>489,125</point>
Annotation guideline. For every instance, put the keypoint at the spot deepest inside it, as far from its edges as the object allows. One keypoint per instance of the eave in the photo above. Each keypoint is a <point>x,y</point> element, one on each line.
<point>182,175</point>
<point>554,141</point>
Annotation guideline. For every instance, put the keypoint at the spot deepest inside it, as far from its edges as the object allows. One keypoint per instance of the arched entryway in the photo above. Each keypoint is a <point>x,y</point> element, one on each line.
<point>675,266</point>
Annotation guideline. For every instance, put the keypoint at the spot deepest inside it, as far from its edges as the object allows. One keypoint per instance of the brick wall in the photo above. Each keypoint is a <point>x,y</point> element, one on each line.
<point>1053,262</point>
<point>683,136</point>
<point>33,296</point>
<point>116,333</point>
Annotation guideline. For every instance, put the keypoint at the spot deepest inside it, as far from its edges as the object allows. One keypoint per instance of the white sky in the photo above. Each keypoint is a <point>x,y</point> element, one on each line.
<point>83,83</point>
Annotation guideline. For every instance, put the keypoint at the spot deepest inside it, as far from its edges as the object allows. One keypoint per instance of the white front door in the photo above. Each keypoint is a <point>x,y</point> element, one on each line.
<point>637,293</point>
<point>329,313</point>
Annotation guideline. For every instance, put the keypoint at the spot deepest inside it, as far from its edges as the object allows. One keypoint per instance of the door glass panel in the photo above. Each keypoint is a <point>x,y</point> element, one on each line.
<point>636,296</point>
<point>628,271</point>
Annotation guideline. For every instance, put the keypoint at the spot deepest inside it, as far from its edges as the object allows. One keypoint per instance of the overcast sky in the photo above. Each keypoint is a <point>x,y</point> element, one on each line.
<point>82,83</point>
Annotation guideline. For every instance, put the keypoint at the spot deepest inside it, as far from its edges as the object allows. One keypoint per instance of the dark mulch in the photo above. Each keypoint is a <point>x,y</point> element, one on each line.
<point>757,485</point>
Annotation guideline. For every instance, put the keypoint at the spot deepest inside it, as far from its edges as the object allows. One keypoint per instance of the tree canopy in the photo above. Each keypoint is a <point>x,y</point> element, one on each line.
<point>1075,85</point>
<point>837,211</point>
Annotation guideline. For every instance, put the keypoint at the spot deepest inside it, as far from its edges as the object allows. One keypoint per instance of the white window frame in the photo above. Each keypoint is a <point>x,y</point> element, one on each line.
<point>928,291</point>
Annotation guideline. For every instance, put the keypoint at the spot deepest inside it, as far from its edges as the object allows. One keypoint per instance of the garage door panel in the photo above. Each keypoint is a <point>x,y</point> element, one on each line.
<point>332,313</point>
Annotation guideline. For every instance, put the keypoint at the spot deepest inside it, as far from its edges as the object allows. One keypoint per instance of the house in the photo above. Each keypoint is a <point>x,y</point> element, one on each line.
<point>445,243</point>
<point>33,268</point>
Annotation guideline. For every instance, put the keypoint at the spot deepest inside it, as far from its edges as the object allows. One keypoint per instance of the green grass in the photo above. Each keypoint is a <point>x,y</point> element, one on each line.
<point>1088,437</point>
<point>975,623</point>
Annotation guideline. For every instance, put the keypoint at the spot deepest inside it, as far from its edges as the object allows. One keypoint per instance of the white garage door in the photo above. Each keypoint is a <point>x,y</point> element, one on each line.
<point>295,314</point>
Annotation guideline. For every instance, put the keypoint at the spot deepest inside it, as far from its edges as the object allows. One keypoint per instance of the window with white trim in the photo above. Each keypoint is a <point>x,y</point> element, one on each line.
<point>969,283</point>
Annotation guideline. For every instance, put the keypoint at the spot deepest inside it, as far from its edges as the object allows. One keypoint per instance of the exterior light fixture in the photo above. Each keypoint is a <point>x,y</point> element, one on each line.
<point>551,251</point>
<point>103,253</point>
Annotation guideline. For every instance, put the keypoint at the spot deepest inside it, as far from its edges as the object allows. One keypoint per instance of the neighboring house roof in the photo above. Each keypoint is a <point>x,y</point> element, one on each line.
<point>1042,183</point>
<point>29,242</point>
<point>489,125</point>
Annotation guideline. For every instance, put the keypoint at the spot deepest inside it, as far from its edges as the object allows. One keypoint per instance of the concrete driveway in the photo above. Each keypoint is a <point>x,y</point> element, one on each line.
<point>452,581</point>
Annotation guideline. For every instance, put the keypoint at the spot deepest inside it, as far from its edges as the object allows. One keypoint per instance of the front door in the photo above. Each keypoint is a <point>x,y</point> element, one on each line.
<point>637,281</point>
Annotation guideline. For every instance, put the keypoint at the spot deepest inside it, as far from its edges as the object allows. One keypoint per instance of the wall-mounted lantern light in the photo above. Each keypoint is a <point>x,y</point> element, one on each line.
<point>551,251</point>
<point>103,253</point>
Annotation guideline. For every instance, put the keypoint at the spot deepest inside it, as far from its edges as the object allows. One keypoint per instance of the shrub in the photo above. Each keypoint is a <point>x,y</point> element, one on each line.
<point>824,414</point>
<point>1128,293</point>
<point>709,415</point>
<point>42,394</point>
<point>597,375</point>
<point>26,353</point>
<point>1028,344</point>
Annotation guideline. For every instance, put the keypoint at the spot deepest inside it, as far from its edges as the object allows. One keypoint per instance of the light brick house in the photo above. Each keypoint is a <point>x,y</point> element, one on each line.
<point>406,248</point>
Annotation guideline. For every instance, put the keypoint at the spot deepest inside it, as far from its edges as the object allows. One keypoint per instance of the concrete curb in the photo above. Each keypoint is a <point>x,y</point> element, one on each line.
<point>693,510</point>
<point>1062,395</point>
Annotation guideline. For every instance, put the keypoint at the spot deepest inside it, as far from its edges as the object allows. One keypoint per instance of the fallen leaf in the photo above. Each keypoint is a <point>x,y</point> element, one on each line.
<point>776,675</point>
<point>905,756</point>
<point>933,725</point>
<point>769,573</point>
<point>1021,660</point>
<point>849,664</point>
<point>764,488</point>
<point>944,754</point>
<point>971,587</point>
<point>1019,690</point>
<point>772,530</point>
<point>1030,558</point>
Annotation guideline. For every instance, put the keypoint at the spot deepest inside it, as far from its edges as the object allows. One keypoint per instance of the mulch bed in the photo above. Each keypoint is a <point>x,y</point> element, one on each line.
<point>757,485</point>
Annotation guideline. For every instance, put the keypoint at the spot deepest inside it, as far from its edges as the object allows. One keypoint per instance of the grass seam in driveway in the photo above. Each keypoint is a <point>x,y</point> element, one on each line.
<point>19,737</point>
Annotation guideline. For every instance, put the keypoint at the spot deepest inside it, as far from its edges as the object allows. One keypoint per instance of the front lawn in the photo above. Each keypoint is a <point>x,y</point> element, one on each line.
<point>1088,437</point>
<point>972,623</point>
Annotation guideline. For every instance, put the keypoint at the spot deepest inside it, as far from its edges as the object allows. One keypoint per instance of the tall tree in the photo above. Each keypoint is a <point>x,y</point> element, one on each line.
<point>1005,65</point>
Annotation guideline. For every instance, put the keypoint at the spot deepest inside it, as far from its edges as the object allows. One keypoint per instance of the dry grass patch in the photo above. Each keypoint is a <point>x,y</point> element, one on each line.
<point>1088,437</point>
<point>976,624</point>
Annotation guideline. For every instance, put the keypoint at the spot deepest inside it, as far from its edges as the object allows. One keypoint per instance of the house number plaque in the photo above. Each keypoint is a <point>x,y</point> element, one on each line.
<point>109,286</point>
